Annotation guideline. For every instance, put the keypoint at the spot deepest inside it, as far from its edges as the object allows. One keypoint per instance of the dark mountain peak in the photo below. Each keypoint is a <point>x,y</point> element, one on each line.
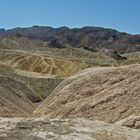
<point>63,28</point>
<point>41,27</point>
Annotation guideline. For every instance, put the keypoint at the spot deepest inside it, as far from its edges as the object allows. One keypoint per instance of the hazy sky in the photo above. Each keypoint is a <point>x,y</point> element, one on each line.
<point>123,15</point>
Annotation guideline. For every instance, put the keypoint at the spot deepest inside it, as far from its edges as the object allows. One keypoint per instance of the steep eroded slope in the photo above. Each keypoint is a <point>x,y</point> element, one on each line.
<point>107,94</point>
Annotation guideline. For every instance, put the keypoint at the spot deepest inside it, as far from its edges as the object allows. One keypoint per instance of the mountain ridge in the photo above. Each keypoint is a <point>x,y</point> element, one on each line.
<point>88,37</point>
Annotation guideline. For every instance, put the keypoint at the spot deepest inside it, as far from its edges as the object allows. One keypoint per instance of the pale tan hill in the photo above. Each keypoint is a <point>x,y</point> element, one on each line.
<point>22,43</point>
<point>32,62</point>
<point>75,53</point>
<point>63,129</point>
<point>20,90</point>
<point>108,94</point>
<point>14,101</point>
<point>41,85</point>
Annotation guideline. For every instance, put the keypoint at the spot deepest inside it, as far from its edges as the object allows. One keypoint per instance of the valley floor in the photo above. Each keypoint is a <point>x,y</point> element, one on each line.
<point>64,129</point>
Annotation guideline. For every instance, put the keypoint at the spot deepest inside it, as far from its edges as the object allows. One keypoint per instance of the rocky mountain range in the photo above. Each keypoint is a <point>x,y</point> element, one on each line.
<point>91,38</point>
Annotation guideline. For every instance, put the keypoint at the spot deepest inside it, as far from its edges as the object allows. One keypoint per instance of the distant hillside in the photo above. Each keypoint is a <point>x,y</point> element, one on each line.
<point>91,38</point>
